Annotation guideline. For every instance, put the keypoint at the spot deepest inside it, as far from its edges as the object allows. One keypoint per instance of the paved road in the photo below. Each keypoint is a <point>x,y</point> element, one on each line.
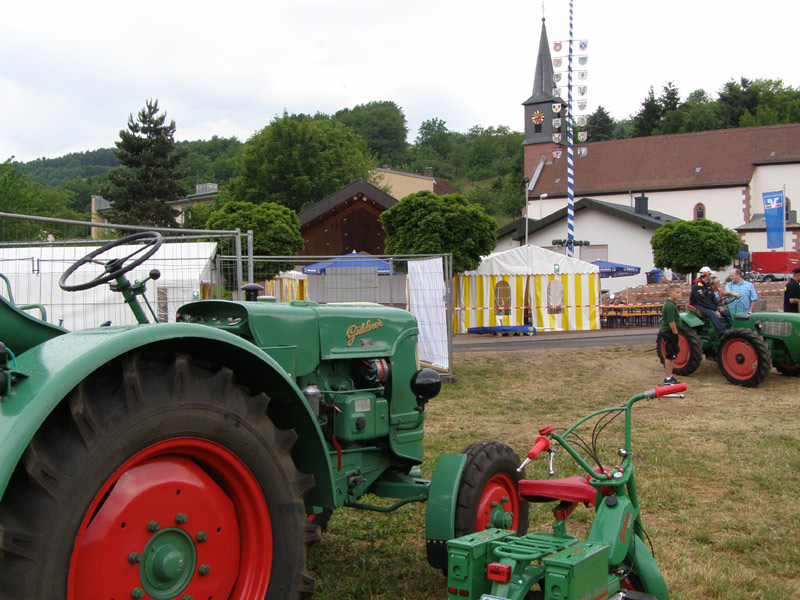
<point>470,343</point>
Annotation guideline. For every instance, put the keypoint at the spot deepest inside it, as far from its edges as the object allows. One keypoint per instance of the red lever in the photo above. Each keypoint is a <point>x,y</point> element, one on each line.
<point>670,389</point>
<point>542,444</point>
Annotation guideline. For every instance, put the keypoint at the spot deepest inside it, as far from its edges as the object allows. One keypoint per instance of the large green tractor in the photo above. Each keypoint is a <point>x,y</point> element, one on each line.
<point>747,350</point>
<point>198,459</point>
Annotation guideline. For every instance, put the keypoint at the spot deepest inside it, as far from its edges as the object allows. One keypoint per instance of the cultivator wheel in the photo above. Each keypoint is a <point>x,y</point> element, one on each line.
<point>488,495</point>
<point>743,357</point>
<point>690,350</point>
<point>157,478</point>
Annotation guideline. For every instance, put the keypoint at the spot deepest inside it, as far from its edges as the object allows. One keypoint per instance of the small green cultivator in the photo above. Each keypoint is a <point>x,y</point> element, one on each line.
<point>614,562</point>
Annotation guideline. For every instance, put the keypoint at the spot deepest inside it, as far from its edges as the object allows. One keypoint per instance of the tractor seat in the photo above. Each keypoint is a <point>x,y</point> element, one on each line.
<point>570,489</point>
<point>693,309</point>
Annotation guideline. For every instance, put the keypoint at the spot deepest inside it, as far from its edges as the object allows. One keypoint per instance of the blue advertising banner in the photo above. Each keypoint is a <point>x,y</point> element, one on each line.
<point>774,215</point>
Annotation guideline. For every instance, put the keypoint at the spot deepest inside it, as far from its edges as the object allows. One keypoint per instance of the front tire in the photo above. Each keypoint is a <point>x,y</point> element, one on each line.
<point>690,350</point>
<point>157,476</point>
<point>743,357</point>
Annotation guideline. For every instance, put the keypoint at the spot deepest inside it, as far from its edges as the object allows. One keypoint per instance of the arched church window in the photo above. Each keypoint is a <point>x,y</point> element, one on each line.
<point>699,211</point>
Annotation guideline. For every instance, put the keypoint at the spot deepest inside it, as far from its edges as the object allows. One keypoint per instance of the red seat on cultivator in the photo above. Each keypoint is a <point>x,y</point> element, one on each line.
<point>569,489</point>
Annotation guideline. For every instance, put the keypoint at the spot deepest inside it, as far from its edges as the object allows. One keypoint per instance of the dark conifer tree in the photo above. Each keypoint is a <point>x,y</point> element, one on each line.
<point>149,174</point>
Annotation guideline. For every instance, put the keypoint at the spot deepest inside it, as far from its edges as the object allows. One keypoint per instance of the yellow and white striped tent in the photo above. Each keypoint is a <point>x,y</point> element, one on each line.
<point>287,286</point>
<point>528,285</point>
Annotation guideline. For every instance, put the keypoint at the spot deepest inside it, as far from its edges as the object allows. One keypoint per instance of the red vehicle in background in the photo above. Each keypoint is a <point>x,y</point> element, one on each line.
<point>772,266</point>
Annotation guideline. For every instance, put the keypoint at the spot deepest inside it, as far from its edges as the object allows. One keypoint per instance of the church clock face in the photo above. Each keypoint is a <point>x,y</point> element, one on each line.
<point>537,117</point>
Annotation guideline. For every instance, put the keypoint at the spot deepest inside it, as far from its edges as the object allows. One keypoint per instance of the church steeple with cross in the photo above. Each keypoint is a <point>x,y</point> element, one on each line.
<point>539,113</point>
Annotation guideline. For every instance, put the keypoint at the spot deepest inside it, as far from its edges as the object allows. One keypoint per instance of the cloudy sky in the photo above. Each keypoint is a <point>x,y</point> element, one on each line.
<point>72,72</point>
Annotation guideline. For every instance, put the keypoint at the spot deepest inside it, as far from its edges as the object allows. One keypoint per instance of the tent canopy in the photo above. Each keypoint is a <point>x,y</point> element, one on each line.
<point>612,269</point>
<point>352,260</point>
<point>531,260</point>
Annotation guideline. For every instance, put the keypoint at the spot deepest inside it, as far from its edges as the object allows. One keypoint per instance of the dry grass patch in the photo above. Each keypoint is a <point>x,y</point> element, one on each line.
<point>718,472</point>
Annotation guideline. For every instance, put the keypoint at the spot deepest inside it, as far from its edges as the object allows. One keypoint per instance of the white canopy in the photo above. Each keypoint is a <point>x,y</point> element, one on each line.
<point>531,260</point>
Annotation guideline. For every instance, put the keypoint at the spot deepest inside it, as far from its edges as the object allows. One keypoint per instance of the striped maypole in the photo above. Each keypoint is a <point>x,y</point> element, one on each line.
<point>570,157</point>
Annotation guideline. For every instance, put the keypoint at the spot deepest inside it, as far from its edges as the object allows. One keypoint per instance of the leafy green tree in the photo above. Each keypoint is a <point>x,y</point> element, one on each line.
<point>424,223</point>
<point>298,160</point>
<point>382,125</point>
<point>209,161</point>
<point>20,195</point>
<point>276,231</point>
<point>433,133</point>
<point>149,175</point>
<point>686,246</point>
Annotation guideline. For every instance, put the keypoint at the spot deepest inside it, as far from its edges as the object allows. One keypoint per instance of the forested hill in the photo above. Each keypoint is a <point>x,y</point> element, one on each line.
<point>55,171</point>
<point>206,161</point>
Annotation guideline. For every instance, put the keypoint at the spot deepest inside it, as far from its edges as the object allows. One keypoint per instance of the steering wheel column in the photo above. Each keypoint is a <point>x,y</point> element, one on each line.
<point>115,269</point>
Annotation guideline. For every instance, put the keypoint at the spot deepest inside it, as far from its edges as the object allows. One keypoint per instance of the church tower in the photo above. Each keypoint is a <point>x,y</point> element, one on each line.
<point>541,121</point>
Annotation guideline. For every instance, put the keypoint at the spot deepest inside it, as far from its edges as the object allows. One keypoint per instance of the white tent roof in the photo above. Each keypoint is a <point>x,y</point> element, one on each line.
<point>531,260</point>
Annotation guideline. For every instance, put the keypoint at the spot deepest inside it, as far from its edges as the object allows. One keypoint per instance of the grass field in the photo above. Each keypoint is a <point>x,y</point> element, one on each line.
<point>718,473</point>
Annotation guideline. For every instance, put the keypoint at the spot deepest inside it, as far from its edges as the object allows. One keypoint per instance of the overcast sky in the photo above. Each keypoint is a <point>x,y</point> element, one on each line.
<point>72,72</point>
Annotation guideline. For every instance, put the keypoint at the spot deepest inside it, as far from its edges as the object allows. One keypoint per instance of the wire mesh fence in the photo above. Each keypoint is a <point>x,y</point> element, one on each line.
<point>215,264</point>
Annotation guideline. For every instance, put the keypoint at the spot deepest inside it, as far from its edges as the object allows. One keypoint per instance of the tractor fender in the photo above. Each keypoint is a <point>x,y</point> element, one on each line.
<point>54,367</point>
<point>442,497</point>
<point>692,320</point>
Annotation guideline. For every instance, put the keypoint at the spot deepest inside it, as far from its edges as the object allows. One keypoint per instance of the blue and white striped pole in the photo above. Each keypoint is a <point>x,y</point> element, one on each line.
<point>570,157</point>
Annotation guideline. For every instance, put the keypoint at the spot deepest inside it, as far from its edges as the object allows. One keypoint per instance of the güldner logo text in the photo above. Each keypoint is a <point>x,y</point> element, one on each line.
<point>356,330</point>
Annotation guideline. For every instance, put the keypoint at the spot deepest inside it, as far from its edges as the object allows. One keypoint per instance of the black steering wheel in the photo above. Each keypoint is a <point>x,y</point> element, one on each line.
<point>115,267</point>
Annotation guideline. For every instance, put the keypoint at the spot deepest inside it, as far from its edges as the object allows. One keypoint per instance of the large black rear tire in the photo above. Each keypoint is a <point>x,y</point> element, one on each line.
<point>743,357</point>
<point>149,457</point>
<point>690,353</point>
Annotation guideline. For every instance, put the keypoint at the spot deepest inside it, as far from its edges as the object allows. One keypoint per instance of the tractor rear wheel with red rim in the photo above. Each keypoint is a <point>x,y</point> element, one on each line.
<point>743,357</point>
<point>690,350</point>
<point>157,478</point>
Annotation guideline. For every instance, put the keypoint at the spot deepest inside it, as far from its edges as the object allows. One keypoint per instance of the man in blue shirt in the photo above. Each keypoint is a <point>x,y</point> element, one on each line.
<point>747,296</point>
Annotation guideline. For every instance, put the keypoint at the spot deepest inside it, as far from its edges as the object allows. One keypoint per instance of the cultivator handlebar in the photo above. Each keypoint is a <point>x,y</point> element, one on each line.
<point>665,390</point>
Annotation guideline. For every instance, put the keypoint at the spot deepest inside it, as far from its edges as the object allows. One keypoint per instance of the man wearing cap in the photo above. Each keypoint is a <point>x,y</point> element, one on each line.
<point>702,298</point>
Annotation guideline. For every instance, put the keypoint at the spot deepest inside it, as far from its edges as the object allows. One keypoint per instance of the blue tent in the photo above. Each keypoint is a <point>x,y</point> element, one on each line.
<point>354,259</point>
<point>612,269</point>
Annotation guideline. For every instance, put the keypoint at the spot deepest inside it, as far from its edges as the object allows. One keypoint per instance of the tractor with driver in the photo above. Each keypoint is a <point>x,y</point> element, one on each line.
<point>747,350</point>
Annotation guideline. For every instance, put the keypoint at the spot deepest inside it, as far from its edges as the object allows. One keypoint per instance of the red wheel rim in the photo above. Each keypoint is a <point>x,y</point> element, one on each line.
<point>740,359</point>
<point>502,490</point>
<point>182,517</point>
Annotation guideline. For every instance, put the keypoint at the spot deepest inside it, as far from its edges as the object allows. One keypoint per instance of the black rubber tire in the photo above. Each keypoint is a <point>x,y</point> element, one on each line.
<point>484,461</point>
<point>735,366</point>
<point>131,404</point>
<point>690,340</point>
<point>787,369</point>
